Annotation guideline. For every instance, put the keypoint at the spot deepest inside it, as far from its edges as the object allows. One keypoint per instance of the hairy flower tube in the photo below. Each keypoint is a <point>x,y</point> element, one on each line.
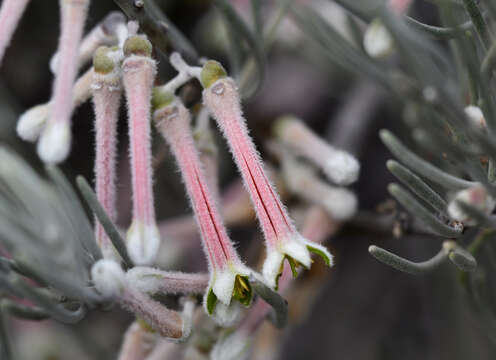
<point>139,69</point>
<point>228,275</point>
<point>105,33</point>
<point>33,121</point>
<point>10,14</point>
<point>282,239</point>
<point>55,140</point>
<point>107,92</point>
<point>111,282</point>
<point>339,166</point>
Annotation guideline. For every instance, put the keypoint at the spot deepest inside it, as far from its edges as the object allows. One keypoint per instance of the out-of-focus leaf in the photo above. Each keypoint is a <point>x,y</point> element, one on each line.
<point>236,24</point>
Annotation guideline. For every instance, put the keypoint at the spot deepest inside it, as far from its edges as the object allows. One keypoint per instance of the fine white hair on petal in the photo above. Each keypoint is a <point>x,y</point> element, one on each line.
<point>143,242</point>
<point>32,122</point>
<point>55,142</point>
<point>377,40</point>
<point>108,277</point>
<point>342,168</point>
<point>223,285</point>
<point>272,266</point>
<point>227,315</point>
<point>234,346</point>
<point>296,248</point>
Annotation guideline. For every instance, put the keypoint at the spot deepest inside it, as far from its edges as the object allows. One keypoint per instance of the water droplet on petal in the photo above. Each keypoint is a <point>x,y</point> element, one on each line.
<point>218,89</point>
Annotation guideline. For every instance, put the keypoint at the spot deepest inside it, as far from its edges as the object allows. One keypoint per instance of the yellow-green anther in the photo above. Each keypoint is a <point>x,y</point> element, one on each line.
<point>211,72</point>
<point>138,45</point>
<point>161,98</point>
<point>102,63</point>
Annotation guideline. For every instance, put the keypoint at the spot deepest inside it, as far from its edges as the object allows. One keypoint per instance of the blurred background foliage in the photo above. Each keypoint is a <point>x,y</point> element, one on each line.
<point>364,310</point>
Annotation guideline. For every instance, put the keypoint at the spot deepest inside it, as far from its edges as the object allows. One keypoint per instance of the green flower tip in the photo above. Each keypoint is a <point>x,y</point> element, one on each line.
<point>321,253</point>
<point>102,63</point>
<point>161,98</point>
<point>211,72</point>
<point>211,301</point>
<point>138,45</point>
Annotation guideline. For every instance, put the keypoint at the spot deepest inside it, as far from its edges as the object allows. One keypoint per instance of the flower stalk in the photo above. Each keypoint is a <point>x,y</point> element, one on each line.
<point>339,166</point>
<point>282,239</point>
<point>139,69</point>
<point>55,140</point>
<point>10,13</point>
<point>229,277</point>
<point>107,92</point>
<point>105,33</point>
<point>111,282</point>
<point>32,122</point>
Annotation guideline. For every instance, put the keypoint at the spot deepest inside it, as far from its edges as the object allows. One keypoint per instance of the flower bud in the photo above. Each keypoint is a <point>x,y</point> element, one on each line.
<point>377,40</point>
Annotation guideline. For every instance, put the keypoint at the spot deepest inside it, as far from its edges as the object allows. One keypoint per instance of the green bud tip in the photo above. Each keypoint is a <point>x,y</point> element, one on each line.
<point>211,72</point>
<point>138,45</point>
<point>102,63</point>
<point>161,98</point>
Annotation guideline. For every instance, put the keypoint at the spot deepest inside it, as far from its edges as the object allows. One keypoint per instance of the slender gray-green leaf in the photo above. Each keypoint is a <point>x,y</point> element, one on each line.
<point>421,166</point>
<point>404,265</point>
<point>426,216</point>
<point>278,303</point>
<point>463,259</point>
<point>159,29</point>
<point>107,224</point>
<point>237,24</point>
<point>417,185</point>
<point>22,311</point>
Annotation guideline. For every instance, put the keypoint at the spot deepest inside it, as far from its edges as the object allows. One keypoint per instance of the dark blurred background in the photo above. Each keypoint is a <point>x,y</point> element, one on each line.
<point>365,310</point>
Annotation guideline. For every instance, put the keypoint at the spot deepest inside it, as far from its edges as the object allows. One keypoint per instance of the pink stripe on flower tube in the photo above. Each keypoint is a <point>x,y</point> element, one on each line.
<point>222,100</point>
<point>173,122</point>
<point>138,76</point>
<point>282,239</point>
<point>228,275</point>
<point>107,94</point>
<point>10,14</point>
<point>54,145</point>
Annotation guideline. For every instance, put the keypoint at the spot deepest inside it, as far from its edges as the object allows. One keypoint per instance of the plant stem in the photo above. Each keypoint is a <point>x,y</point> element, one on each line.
<point>478,21</point>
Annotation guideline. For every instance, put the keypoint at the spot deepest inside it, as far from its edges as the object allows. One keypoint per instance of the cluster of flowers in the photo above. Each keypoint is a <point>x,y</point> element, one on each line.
<point>123,66</point>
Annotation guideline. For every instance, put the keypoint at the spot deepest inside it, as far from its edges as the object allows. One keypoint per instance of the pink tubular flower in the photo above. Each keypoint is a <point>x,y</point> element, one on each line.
<point>139,69</point>
<point>10,14</point>
<point>104,33</point>
<point>228,275</point>
<point>32,122</point>
<point>338,165</point>
<point>107,92</point>
<point>282,239</point>
<point>55,141</point>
